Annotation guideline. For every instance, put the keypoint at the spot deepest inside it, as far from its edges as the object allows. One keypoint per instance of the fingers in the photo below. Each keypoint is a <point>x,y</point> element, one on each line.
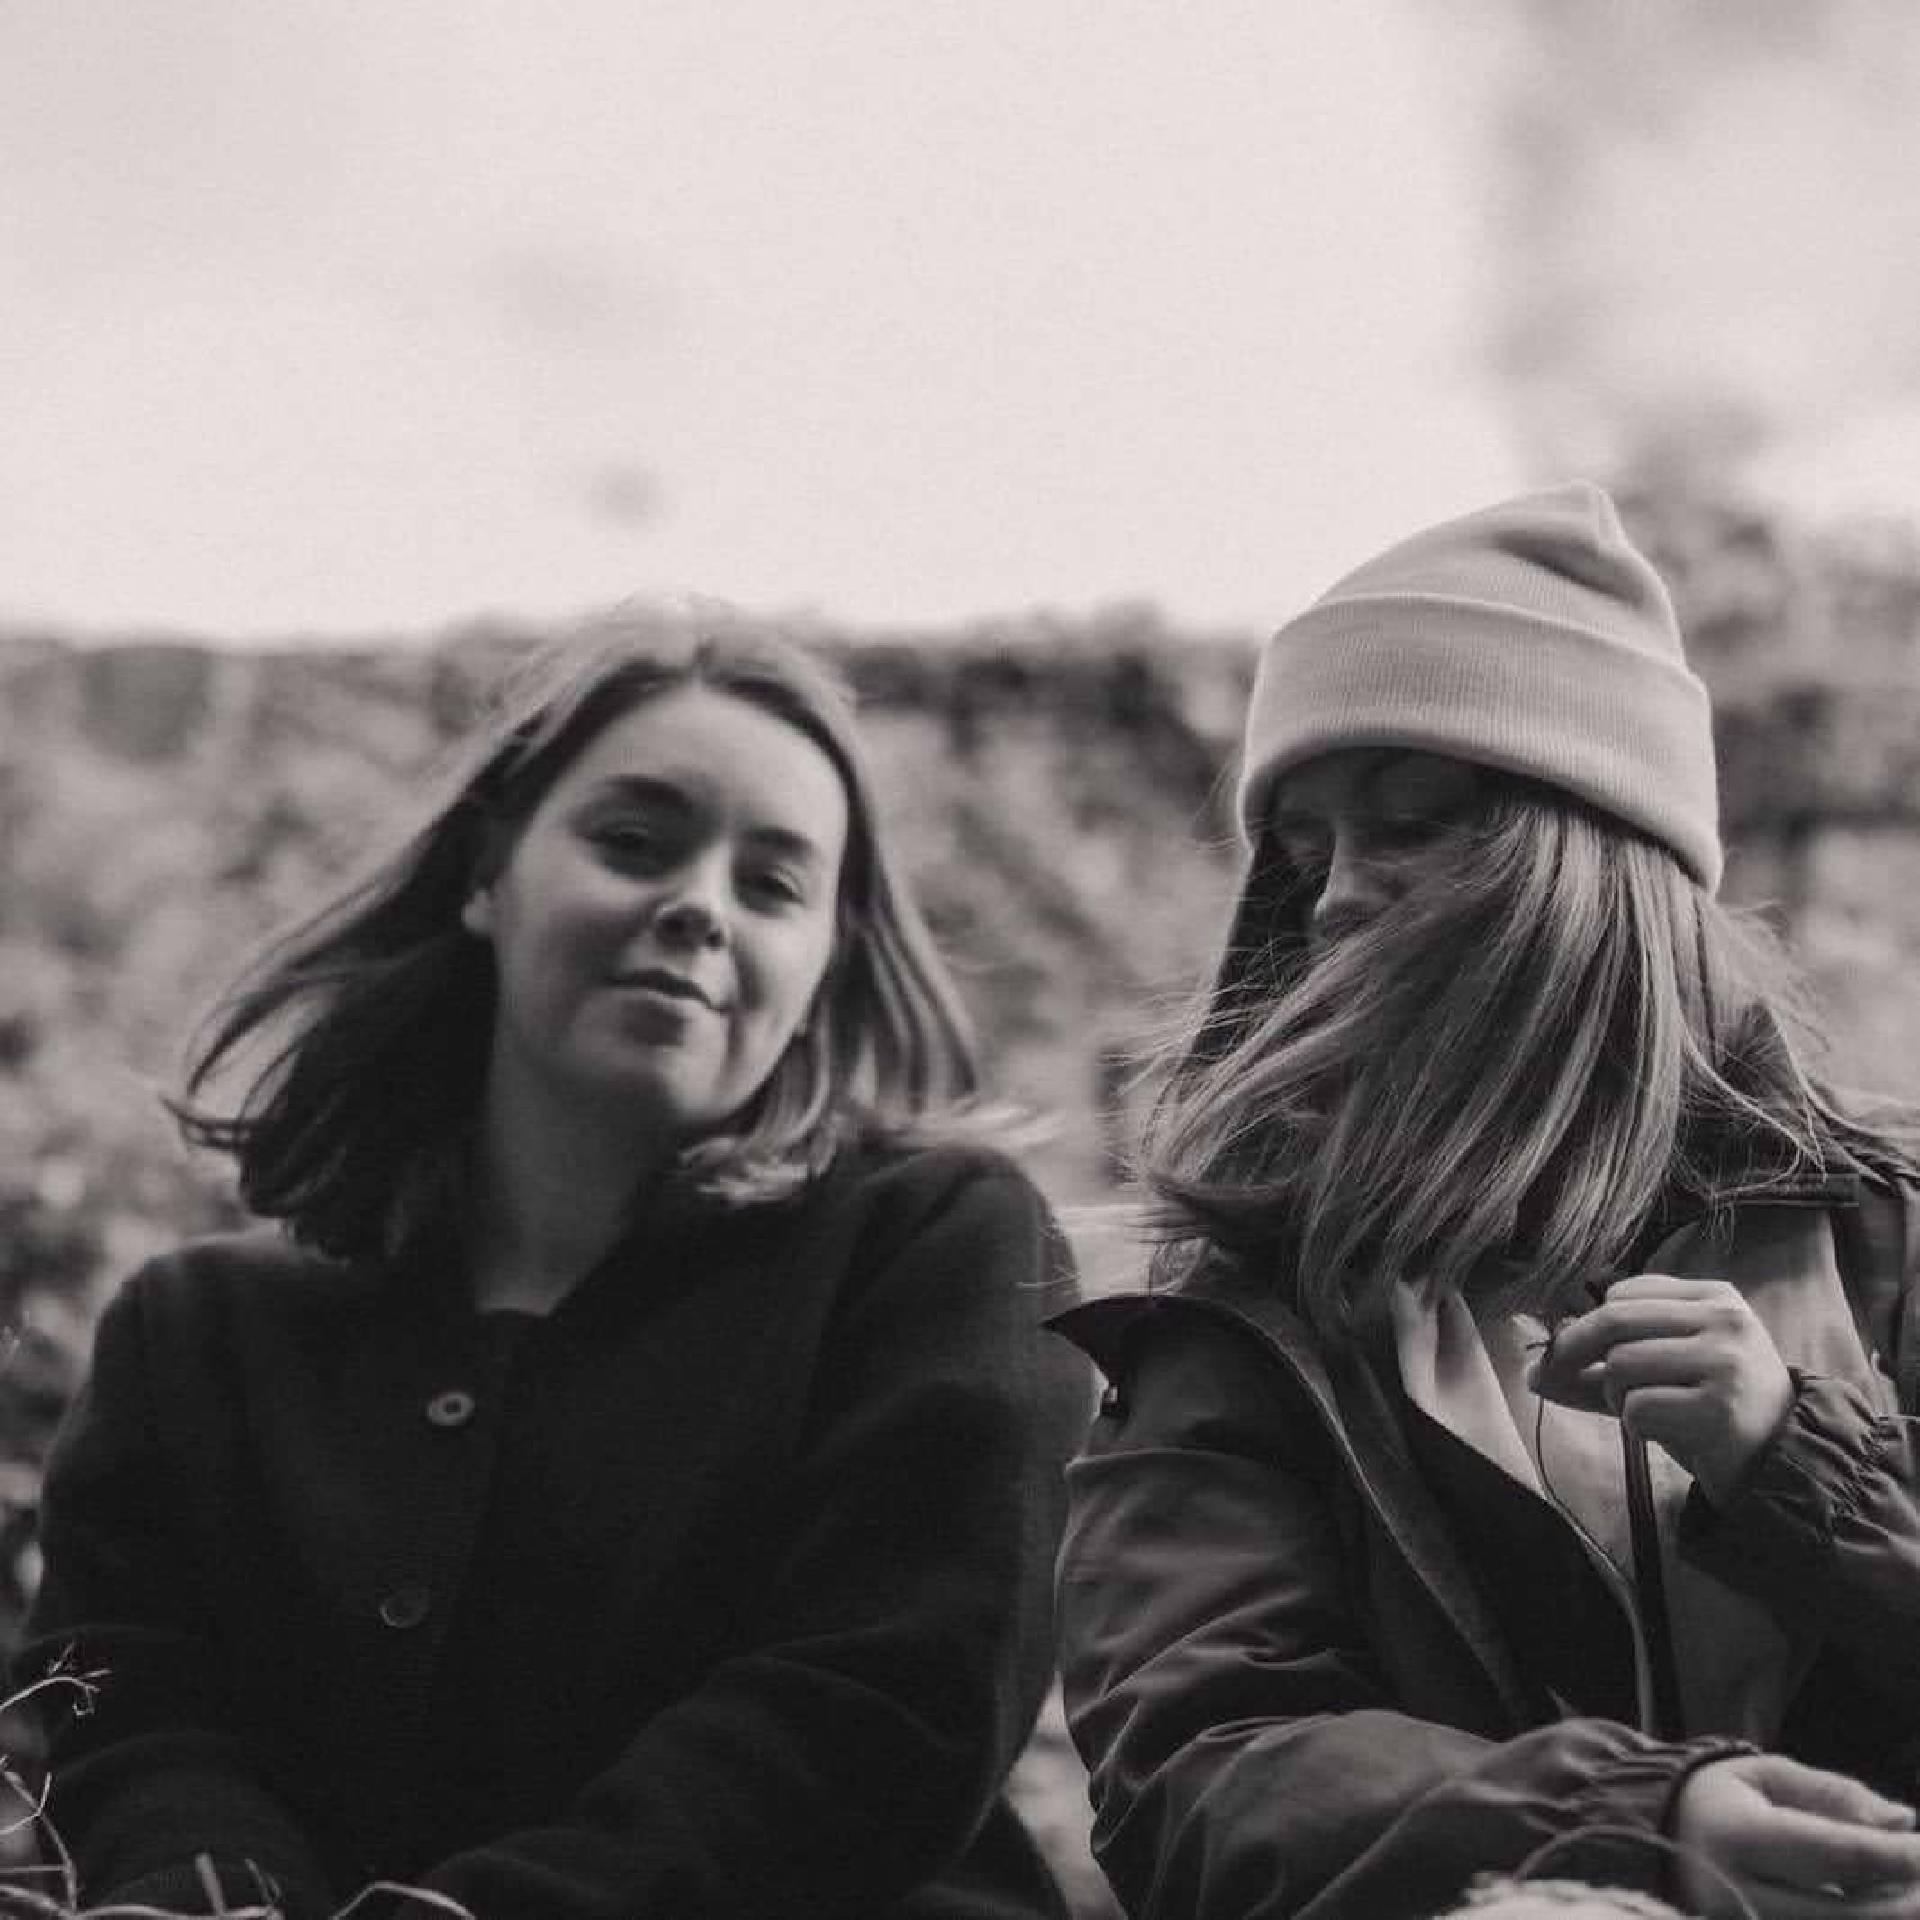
<point>1631,1313</point>
<point>1808,1851</point>
<point>1799,1842</point>
<point>1653,1331</point>
<point>1832,1902</point>
<point>1584,1388</point>
<point>1669,1286</point>
<point>1769,1902</point>
<point>1792,1783</point>
<point>1571,1373</point>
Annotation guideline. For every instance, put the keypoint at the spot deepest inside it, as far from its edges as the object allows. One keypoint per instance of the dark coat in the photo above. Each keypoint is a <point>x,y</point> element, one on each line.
<point>1294,1683</point>
<point>720,1591</point>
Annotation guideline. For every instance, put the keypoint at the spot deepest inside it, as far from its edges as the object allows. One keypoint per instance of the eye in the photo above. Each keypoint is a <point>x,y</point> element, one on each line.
<point>1412,832</point>
<point>777,887</point>
<point>1418,800</point>
<point>632,844</point>
<point>1305,845</point>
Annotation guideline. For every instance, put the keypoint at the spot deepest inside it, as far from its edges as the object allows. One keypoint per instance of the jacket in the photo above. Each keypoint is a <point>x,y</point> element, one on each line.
<point>1291,1679</point>
<point>722,1590</point>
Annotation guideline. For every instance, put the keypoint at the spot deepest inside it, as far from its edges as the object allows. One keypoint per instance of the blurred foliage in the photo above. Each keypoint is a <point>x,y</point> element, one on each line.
<point>1061,790</point>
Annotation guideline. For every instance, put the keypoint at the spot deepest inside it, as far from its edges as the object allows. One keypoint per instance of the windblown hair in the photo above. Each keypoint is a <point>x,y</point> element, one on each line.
<point>1495,1085</point>
<point>376,1012</point>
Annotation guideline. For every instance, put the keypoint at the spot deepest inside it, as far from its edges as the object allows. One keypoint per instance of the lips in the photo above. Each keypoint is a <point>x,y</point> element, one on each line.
<point>661,980</point>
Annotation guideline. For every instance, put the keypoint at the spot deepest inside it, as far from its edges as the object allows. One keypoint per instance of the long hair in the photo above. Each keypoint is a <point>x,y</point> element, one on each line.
<point>376,1011</point>
<point>1492,1084</point>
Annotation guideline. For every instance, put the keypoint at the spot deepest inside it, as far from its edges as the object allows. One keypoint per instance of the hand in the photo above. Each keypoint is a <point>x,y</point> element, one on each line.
<point>1683,1362</point>
<point>1799,1843</point>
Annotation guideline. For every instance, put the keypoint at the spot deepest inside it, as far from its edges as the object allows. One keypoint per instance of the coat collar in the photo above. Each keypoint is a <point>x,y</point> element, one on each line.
<point>1357,1408</point>
<point>1356,1412</point>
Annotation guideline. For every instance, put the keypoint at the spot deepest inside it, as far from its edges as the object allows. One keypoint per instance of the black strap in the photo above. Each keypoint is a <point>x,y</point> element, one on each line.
<point>1650,1583</point>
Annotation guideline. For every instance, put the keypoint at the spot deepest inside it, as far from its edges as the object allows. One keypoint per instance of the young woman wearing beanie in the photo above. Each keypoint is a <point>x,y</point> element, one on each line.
<point>1516,1449</point>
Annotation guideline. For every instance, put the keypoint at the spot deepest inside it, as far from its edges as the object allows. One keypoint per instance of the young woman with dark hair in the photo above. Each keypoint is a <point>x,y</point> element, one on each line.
<point>625,1479</point>
<point>1517,1450</point>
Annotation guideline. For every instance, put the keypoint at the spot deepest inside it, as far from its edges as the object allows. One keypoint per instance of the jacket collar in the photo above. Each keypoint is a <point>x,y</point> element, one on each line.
<point>1357,1411</point>
<point>1738,1168</point>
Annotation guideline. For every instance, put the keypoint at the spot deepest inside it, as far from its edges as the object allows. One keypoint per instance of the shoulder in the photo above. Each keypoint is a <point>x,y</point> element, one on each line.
<point>1873,1134</point>
<point>893,1188</point>
<point>1215,1317</point>
<point>936,1165</point>
<point>1192,1370</point>
<point>234,1280</point>
<point>951,1230</point>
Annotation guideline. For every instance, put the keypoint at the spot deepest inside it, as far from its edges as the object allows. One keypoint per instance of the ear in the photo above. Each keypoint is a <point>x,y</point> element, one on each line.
<point>476,912</point>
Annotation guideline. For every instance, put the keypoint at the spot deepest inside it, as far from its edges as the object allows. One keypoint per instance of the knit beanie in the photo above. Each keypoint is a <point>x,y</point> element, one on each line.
<point>1531,636</point>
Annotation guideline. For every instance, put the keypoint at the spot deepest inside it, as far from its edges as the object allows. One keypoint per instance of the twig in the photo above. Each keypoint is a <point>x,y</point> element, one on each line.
<point>400,1890</point>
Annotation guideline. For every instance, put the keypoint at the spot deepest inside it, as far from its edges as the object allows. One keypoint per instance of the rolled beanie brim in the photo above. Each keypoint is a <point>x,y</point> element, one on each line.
<point>1474,680</point>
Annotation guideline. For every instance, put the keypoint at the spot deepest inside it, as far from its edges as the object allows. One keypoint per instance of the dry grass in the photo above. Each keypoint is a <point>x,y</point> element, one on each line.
<point>29,1832</point>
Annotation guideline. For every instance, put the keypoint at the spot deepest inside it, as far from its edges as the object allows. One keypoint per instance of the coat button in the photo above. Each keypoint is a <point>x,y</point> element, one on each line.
<point>406,1606</point>
<point>454,1408</point>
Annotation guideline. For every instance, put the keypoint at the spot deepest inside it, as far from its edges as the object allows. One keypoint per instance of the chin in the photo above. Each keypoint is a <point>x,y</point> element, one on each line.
<point>644,1101</point>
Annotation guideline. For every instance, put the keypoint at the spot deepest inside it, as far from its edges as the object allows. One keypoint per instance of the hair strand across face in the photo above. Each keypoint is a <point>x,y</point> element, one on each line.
<point>1494,1085</point>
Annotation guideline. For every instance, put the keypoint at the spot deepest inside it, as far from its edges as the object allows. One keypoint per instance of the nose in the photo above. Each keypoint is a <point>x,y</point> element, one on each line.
<point>693,913</point>
<point>1357,886</point>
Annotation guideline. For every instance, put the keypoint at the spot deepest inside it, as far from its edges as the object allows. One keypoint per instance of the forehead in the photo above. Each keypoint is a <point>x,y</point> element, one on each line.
<point>1386,779</point>
<point>723,755</point>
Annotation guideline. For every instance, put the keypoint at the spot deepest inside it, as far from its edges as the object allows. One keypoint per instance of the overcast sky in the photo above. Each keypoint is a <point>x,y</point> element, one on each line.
<point>337,317</point>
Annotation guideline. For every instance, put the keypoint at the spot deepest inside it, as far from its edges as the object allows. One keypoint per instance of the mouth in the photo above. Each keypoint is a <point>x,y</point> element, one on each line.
<point>675,986</point>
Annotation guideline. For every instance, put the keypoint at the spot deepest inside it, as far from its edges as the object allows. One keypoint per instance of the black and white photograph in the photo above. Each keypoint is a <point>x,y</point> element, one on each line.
<point>960,962</point>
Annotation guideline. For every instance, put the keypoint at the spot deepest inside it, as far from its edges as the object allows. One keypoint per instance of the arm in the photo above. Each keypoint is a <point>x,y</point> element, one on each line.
<point>1807,1496</point>
<point>1249,1760</point>
<point>902,1644</point>
<point>1827,1527</point>
<point>158,1772</point>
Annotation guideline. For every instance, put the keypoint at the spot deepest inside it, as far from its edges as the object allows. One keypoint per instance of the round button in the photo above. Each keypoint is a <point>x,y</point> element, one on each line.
<point>453,1408</point>
<point>406,1606</point>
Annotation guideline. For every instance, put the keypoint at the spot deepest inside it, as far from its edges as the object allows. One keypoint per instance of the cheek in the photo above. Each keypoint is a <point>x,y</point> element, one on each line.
<point>1424,867</point>
<point>789,979</point>
<point>547,957</point>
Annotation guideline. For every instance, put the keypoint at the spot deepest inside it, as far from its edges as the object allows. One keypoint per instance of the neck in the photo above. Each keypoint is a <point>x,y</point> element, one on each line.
<point>556,1189</point>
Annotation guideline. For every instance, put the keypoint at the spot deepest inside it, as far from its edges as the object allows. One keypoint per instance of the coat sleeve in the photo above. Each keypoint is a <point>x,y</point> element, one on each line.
<point>1827,1528</point>
<point>154,1773</point>
<point>903,1642</point>
<point>1248,1758</point>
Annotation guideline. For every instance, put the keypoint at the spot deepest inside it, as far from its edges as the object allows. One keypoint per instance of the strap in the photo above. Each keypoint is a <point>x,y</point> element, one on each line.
<point>1668,1718</point>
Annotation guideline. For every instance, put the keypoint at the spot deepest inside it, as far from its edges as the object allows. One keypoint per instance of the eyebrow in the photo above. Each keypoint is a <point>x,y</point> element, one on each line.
<point>1294,816</point>
<point>1374,763</point>
<point>651,791</point>
<point>1450,787</point>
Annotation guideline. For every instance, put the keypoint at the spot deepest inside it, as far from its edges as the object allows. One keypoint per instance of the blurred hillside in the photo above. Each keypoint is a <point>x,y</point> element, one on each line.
<point>1062,789</point>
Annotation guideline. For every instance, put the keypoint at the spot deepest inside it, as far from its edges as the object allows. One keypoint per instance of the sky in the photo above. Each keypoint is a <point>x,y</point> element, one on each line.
<point>334,318</point>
